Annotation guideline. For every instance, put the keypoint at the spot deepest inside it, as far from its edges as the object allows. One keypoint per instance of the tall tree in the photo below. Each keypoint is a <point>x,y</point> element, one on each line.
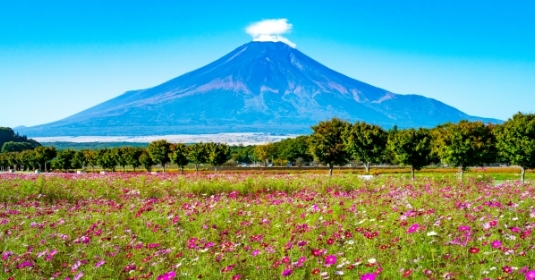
<point>120,157</point>
<point>464,144</point>
<point>27,158</point>
<point>131,156</point>
<point>294,148</point>
<point>265,152</point>
<point>179,155</point>
<point>90,158</point>
<point>516,141</point>
<point>365,143</point>
<point>146,161</point>
<point>217,154</point>
<point>197,154</point>
<point>159,152</point>
<point>411,147</point>
<point>79,160</point>
<point>106,159</point>
<point>64,159</point>
<point>326,143</point>
<point>43,155</point>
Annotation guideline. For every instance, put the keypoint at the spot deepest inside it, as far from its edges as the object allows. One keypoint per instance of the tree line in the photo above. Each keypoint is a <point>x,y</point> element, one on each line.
<point>332,142</point>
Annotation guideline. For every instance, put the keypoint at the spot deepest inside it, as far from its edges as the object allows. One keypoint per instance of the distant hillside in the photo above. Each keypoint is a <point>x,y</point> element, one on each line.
<point>13,142</point>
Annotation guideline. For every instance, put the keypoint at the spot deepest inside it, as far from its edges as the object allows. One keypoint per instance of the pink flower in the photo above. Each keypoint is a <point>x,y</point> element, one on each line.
<point>100,263</point>
<point>464,228</point>
<point>25,264</point>
<point>78,276</point>
<point>368,276</point>
<point>167,276</point>
<point>496,244</point>
<point>330,260</point>
<point>6,255</point>
<point>413,228</point>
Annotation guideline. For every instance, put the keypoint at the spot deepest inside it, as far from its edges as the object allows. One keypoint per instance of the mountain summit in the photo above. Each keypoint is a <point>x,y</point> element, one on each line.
<point>259,87</point>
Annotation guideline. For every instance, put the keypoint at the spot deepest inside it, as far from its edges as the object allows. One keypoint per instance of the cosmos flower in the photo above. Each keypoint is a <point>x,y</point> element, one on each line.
<point>330,260</point>
<point>413,228</point>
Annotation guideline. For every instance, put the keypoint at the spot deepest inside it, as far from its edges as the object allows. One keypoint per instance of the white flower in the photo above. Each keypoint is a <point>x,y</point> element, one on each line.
<point>372,260</point>
<point>432,233</point>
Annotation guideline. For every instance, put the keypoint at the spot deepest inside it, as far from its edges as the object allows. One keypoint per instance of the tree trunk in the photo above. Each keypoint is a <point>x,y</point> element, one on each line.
<point>46,168</point>
<point>134,168</point>
<point>163,166</point>
<point>522,173</point>
<point>196,168</point>
<point>462,172</point>
<point>331,169</point>
<point>412,173</point>
<point>367,166</point>
<point>124,168</point>
<point>215,168</point>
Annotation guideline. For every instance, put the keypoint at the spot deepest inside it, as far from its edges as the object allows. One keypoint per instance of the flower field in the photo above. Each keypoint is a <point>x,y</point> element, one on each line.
<point>258,226</point>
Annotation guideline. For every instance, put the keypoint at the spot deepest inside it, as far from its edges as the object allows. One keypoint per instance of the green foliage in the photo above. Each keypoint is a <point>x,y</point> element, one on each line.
<point>64,159</point>
<point>411,147</point>
<point>326,142</point>
<point>291,149</point>
<point>516,141</point>
<point>365,142</point>
<point>198,154</point>
<point>131,156</point>
<point>146,161</point>
<point>8,135</point>
<point>242,154</point>
<point>79,160</point>
<point>179,155</point>
<point>265,152</point>
<point>106,159</point>
<point>217,154</point>
<point>465,144</point>
<point>16,146</point>
<point>43,155</point>
<point>159,152</point>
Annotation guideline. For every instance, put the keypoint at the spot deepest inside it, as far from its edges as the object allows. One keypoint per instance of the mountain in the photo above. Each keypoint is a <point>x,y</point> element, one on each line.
<point>265,87</point>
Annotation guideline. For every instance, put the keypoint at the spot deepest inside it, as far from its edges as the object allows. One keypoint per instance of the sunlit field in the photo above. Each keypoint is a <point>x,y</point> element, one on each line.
<point>265,226</point>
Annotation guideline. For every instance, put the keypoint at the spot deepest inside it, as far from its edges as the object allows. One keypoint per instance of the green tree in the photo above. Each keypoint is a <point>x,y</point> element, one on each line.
<point>327,145</point>
<point>464,144</point>
<point>106,159</point>
<point>197,154</point>
<point>120,157</point>
<point>179,155</point>
<point>131,156</point>
<point>265,152</point>
<point>365,143</point>
<point>217,154</point>
<point>43,155</point>
<point>411,147</point>
<point>159,152</point>
<point>146,161</point>
<point>79,160</point>
<point>27,158</point>
<point>64,159</point>
<point>516,141</point>
<point>90,158</point>
<point>292,149</point>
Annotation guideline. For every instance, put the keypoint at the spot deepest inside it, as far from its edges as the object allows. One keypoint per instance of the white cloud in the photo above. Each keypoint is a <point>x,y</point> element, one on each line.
<point>270,30</point>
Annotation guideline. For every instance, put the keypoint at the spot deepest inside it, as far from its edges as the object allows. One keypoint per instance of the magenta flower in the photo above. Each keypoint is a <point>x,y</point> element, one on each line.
<point>496,244</point>
<point>167,276</point>
<point>287,272</point>
<point>464,228</point>
<point>6,255</point>
<point>368,276</point>
<point>330,260</point>
<point>413,228</point>
<point>530,275</point>
<point>25,264</point>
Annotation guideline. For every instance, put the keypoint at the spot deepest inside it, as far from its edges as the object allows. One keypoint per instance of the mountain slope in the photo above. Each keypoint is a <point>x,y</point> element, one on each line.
<point>258,87</point>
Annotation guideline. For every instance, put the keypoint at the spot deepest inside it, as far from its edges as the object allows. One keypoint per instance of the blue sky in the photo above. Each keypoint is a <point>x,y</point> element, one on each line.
<point>60,57</point>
